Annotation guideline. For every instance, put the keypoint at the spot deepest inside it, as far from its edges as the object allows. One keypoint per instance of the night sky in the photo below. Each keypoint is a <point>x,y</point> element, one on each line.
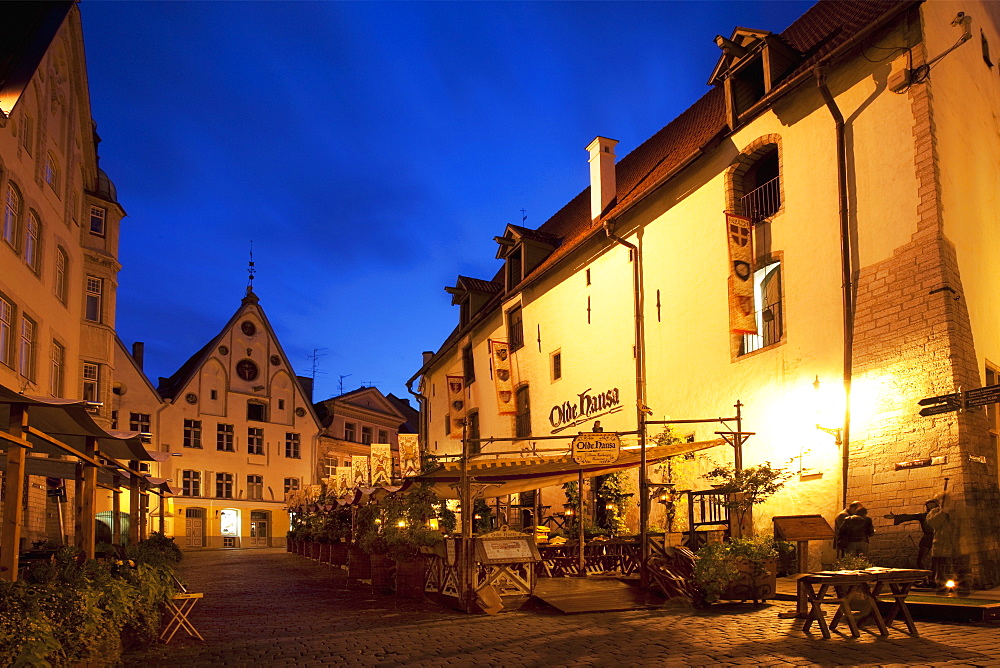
<point>371,151</point>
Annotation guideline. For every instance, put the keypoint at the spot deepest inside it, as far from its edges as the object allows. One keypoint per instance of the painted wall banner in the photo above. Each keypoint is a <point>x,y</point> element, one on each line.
<point>502,379</point>
<point>586,407</point>
<point>597,448</point>
<point>359,471</point>
<point>456,404</point>
<point>741,308</point>
<point>381,464</point>
<point>344,480</point>
<point>409,454</point>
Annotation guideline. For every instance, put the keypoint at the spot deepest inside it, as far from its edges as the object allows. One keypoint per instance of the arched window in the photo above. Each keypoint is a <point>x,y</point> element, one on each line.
<point>761,197</point>
<point>51,171</point>
<point>32,243</point>
<point>11,214</point>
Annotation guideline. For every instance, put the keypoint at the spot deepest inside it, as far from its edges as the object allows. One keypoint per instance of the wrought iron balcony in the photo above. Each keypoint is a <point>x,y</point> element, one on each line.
<point>763,202</point>
<point>769,323</point>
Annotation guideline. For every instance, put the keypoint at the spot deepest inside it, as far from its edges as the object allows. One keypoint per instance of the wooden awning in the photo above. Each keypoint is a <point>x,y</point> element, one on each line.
<point>510,476</point>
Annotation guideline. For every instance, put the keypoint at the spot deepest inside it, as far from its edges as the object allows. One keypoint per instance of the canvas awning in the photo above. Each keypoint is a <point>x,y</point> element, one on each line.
<point>510,476</point>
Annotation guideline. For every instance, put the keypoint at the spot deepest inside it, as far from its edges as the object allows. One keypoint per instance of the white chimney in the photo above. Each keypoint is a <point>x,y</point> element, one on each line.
<point>602,175</point>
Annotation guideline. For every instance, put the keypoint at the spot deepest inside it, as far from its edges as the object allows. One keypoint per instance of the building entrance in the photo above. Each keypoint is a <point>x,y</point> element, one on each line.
<point>194,527</point>
<point>260,535</point>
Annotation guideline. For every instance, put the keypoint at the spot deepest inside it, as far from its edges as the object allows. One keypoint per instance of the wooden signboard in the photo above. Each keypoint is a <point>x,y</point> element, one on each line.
<point>802,527</point>
<point>506,547</point>
<point>596,448</point>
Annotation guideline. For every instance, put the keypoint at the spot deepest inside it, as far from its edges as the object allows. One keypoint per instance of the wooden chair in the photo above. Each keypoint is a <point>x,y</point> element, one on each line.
<point>179,608</point>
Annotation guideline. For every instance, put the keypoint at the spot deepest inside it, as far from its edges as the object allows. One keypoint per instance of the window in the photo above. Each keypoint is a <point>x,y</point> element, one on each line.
<point>98,215</point>
<point>256,411</point>
<point>514,268</point>
<point>192,434</point>
<point>992,411</point>
<point>468,365</point>
<point>26,348</point>
<point>25,132</point>
<point>11,214</point>
<point>114,419</point>
<point>760,191</point>
<point>522,418</point>
<point>139,422</point>
<point>350,431</point>
<point>60,284</point>
<point>472,432</point>
<point>767,309</point>
<point>213,394</point>
<point>292,446</point>
<point>366,435</point>
<point>32,241</point>
<point>95,294</point>
<point>6,332</point>
<point>383,436</point>
<point>515,329</point>
<point>58,360</point>
<point>330,467</point>
<point>91,382</point>
<point>255,487</point>
<point>224,485</point>
<point>51,171</point>
<point>191,483</point>
<point>224,437</point>
<point>255,441</point>
<point>291,485</point>
<point>556,365</point>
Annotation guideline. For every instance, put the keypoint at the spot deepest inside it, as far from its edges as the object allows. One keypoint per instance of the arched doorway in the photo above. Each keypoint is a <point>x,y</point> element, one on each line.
<point>194,527</point>
<point>260,528</point>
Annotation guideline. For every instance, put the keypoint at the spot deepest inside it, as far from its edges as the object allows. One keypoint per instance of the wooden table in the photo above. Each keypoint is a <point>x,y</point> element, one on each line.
<point>899,581</point>
<point>837,587</point>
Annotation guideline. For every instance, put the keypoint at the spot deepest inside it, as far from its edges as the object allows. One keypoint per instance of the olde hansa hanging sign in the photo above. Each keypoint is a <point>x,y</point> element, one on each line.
<point>596,448</point>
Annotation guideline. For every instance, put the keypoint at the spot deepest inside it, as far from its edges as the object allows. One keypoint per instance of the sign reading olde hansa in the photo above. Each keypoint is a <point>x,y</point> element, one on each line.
<point>596,448</point>
<point>587,406</point>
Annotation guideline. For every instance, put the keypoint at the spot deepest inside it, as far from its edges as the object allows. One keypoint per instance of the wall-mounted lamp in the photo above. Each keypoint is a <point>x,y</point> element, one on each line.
<point>835,432</point>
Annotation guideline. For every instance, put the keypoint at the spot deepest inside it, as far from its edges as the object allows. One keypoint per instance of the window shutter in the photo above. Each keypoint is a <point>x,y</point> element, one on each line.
<point>208,484</point>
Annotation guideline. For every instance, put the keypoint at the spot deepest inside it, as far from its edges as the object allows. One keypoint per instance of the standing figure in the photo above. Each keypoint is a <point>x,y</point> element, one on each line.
<point>947,561</point>
<point>839,521</point>
<point>927,539</point>
<point>855,531</point>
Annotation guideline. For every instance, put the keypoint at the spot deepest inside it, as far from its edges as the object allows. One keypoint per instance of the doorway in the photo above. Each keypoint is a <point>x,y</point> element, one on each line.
<point>194,527</point>
<point>260,533</point>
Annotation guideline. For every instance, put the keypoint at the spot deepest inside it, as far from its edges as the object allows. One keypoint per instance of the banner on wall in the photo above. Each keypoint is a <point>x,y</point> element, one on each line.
<point>500,356</point>
<point>409,454</point>
<point>343,479</point>
<point>381,464</point>
<point>359,471</point>
<point>456,404</point>
<point>741,308</point>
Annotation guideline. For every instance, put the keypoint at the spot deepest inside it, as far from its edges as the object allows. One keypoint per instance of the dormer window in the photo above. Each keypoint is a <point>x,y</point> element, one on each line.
<point>515,268</point>
<point>522,250</point>
<point>752,64</point>
<point>470,294</point>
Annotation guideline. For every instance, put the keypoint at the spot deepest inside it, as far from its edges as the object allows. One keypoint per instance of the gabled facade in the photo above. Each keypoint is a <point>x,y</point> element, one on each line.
<point>810,238</point>
<point>241,432</point>
<point>352,423</point>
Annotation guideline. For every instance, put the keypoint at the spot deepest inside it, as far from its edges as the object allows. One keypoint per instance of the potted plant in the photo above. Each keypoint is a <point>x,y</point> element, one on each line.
<point>407,547</point>
<point>371,543</point>
<point>738,569</point>
<point>746,488</point>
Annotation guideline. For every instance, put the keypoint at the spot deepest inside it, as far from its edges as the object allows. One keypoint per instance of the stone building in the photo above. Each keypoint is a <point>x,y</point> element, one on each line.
<point>811,238</point>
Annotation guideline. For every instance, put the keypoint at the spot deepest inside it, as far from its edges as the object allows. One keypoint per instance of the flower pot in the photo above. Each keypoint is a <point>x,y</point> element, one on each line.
<point>381,572</point>
<point>747,586</point>
<point>410,578</point>
<point>338,554</point>
<point>290,545</point>
<point>359,565</point>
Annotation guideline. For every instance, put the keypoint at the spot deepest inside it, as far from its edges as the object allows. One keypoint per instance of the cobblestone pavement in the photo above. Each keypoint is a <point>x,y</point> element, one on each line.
<point>268,607</point>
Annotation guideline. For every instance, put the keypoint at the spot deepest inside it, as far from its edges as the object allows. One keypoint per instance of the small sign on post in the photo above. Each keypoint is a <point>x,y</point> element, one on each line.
<point>596,448</point>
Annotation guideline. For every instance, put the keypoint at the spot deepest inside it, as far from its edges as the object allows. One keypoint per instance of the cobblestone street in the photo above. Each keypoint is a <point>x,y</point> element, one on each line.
<point>268,607</point>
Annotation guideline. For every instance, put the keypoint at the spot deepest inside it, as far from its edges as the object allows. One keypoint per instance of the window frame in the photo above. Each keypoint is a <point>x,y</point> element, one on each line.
<point>351,432</point>
<point>98,214</point>
<point>522,420</point>
<point>293,445</point>
<point>367,435</point>
<point>33,242</point>
<point>291,485</point>
<point>57,368</point>
<point>225,437</point>
<point>190,482</point>
<point>515,328</point>
<point>8,316</point>
<point>94,299</point>
<point>191,437</point>
<point>468,365</point>
<point>92,381</point>
<point>11,223</point>
<point>61,283</point>
<point>27,347</point>
<point>255,440</point>
<point>255,487</point>
<point>51,172</point>
<point>223,485</point>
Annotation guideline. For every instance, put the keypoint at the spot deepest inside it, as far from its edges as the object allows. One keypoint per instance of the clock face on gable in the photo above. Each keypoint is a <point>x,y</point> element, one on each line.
<point>247,370</point>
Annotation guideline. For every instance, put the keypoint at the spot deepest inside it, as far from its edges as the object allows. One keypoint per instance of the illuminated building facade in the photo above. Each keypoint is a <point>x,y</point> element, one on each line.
<point>812,238</point>
<point>240,431</point>
<point>59,229</point>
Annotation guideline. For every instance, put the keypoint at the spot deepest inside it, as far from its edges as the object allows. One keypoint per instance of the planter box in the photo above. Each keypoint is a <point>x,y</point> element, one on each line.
<point>410,578</point>
<point>324,553</point>
<point>381,571</point>
<point>747,587</point>
<point>359,565</point>
<point>338,554</point>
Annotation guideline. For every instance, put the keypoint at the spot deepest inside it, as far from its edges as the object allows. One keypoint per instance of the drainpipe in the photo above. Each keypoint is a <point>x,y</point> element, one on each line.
<point>846,271</point>
<point>640,397</point>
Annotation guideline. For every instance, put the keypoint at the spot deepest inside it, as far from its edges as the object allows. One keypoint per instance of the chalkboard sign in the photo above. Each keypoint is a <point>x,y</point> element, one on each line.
<point>802,527</point>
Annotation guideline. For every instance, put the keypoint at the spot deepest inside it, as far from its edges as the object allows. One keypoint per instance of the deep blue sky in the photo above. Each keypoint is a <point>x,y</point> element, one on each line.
<point>370,150</point>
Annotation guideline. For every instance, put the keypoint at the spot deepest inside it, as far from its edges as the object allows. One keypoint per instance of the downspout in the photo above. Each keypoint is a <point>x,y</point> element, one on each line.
<point>640,397</point>
<point>422,403</point>
<point>846,272</point>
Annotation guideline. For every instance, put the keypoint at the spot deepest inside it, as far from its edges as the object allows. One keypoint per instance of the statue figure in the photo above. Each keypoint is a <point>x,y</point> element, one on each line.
<point>927,539</point>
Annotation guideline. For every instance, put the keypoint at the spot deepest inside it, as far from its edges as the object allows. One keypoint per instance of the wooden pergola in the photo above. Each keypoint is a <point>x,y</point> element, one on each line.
<point>58,438</point>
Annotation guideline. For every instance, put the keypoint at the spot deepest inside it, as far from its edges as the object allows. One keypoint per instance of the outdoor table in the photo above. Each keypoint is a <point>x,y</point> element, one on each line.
<point>899,581</point>
<point>179,607</point>
<point>837,587</point>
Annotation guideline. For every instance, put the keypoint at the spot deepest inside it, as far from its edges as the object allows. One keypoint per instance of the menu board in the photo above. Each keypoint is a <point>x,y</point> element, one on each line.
<point>514,549</point>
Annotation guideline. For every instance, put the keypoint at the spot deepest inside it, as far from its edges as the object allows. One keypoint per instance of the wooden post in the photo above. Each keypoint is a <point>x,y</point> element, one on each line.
<point>143,509</point>
<point>133,504</point>
<point>10,536</point>
<point>86,504</point>
<point>468,562</point>
<point>579,524</point>
<point>163,514</point>
<point>116,512</point>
